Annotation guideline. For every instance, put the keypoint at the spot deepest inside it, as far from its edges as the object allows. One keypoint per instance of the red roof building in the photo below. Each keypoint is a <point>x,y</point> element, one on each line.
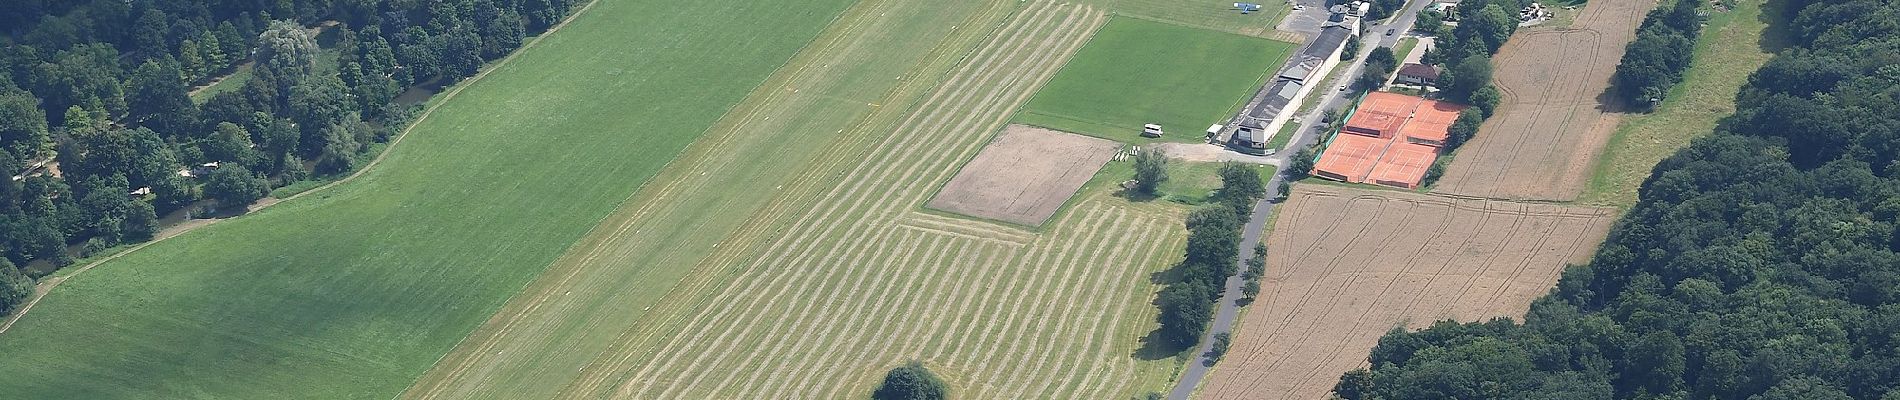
<point>1418,74</point>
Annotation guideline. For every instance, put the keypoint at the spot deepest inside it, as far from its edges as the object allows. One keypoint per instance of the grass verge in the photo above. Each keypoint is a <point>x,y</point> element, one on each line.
<point>1733,45</point>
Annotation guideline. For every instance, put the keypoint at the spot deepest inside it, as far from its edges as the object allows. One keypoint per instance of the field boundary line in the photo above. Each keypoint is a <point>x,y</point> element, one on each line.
<point>949,231</point>
<point>41,290</point>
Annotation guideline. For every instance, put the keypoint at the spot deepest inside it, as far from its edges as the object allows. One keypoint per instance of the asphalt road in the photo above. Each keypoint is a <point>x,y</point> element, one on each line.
<point>1229,310</point>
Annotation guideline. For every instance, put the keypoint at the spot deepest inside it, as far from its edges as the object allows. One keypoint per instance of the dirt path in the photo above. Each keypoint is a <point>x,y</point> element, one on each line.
<point>1202,152</point>
<point>1557,114</point>
<point>47,285</point>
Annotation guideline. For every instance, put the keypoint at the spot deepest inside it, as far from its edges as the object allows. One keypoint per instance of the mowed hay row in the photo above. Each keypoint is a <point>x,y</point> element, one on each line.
<point>597,297</point>
<point>1554,120</point>
<point>847,292</point>
<point>886,183</point>
<point>1346,265</point>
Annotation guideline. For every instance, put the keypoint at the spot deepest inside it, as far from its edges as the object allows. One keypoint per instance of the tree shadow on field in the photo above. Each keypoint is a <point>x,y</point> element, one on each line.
<point>1153,346</point>
<point>1779,35</point>
<point>1135,196</point>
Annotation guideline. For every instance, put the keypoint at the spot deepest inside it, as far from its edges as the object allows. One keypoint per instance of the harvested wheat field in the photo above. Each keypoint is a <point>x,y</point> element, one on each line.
<point>1346,265</point>
<point>1025,175</point>
<point>1554,120</point>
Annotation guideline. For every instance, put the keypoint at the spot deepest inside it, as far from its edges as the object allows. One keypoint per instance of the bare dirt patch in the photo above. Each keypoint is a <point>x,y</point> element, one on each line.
<point>1025,175</point>
<point>1556,117</point>
<point>1346,265</point>
<point>1203,152</point>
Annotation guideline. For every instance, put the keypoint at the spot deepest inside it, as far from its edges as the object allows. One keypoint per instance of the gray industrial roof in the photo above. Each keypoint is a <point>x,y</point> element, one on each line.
<point>1330,38</point>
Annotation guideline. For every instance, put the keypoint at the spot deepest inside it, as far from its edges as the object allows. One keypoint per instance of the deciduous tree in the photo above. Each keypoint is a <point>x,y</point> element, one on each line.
<point>234,187</point>
<point>1151,169</point>
<point>911,382</point>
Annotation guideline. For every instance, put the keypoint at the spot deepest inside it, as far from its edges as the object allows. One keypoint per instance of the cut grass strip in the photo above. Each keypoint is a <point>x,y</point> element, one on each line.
<point>1732,46</point>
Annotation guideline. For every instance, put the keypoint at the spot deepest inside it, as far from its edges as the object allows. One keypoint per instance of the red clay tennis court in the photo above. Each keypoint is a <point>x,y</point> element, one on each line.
<point>1389,103</point>
<point>1431,122</point>
<point>1391,140</point>
<point>1404,165</point>
<point>1350,158</point>
<point>1381,114</point>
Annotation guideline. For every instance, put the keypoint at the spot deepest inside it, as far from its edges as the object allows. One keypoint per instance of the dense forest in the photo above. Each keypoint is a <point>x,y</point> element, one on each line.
<point>1759,263</point>
<point>101,135</point>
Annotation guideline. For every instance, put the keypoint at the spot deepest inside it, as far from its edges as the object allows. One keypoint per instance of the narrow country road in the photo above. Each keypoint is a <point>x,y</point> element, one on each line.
<point>1229,310</point>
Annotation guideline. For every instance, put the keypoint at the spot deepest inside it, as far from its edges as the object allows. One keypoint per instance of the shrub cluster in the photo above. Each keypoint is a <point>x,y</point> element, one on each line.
<point>1664,46</point>
<point>911,382</point>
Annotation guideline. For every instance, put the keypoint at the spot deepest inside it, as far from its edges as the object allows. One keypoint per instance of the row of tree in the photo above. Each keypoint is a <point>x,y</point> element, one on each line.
<point>1761,262</point>
<point>1655,61</point>
<point>1464,55</point>
<point>101,136</point>
<point>1187,303</point>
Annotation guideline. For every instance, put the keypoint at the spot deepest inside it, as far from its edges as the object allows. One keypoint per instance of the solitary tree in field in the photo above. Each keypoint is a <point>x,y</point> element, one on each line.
<point>911,382</point>
<point>1151,169</point>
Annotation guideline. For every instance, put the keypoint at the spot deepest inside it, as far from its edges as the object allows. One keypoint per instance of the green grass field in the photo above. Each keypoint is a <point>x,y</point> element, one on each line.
<point>1731,47</point>
<point>353,291</point>
<point>1218,15</point>
<point>1136,71</point>
<point>1189,183</point>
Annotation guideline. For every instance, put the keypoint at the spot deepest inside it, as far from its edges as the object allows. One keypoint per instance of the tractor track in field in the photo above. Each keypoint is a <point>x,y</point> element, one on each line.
<point>1371,260</point>
<point>1557,113</point>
